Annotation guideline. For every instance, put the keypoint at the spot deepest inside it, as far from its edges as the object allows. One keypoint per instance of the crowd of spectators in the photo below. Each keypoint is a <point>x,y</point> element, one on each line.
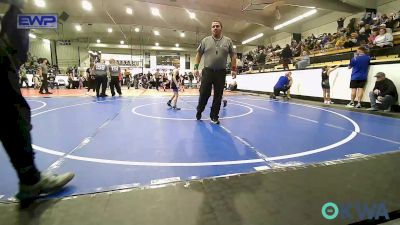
<point>367,32</point>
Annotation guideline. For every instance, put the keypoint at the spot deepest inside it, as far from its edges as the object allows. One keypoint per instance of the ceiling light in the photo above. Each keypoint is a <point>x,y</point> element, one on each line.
<point>192,15</point>
<point>155,12</point>
<point>86,5</point>
<point>32,35</point>
<point>109,30</point>
<point>177,45</point>
<point>98,41</point>
<point>287,23</point>
<point>99,51</point>
<point>157,44</point>
<point>156,32</point>
<point>182,34</point>
<point>253,38</point>
<point>129,10</point>
<point>46,41</point>
<point>40,3</point>
<point>122,42</point>
<point>234,46</point>
<point>78,27</point>
<point>137,29</point>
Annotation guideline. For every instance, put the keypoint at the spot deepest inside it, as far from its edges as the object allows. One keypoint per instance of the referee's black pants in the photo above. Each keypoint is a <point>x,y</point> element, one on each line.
<point>114,83</point>
<point>209,79</point>
<point>16,124</point>
<point>101,81</point>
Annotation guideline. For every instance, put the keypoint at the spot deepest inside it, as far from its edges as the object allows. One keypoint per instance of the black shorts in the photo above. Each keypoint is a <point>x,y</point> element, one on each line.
<point>325,84</point>
<point>174,87</point>
<point>357,83</point>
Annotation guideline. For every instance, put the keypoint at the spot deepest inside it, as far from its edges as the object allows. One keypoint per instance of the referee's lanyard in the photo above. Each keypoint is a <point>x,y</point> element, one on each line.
<point>216,42</point>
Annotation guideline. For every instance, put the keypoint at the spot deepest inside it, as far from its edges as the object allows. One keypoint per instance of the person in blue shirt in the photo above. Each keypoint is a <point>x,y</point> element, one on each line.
<point>283,84</point>
<point>360,65</point>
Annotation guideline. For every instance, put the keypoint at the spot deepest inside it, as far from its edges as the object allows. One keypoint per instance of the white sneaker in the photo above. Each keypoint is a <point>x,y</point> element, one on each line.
<point>325,102</point>
<point>330,102</point>
<point>350,105</point>
<point>358,106</point>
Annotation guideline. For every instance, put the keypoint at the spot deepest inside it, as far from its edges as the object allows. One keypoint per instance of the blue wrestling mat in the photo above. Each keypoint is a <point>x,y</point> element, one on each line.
<point>139,141</point>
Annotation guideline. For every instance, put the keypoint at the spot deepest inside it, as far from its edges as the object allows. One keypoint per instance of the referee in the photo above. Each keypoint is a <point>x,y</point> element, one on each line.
<point>215,49</point>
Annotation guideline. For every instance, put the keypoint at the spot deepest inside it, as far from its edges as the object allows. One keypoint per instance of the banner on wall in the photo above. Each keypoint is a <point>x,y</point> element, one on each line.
<point>167,60</point>
<point>129,63</point>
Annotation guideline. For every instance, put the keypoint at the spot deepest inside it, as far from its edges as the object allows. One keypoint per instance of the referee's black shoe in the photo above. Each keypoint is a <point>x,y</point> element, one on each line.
<point>198,115</point>
<point>215,120</point>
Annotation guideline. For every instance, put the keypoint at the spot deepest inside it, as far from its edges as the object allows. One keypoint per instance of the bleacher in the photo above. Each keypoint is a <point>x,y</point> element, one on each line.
<point>396,37</point>
<point>334,56</point>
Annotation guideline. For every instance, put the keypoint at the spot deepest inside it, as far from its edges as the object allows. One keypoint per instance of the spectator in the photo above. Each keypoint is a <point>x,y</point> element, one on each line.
<point>80,80</point>
<point>331,42</point>
<point>384,19</point>
<point>261,61</point>
<point>340,42</point>
<point>283,84</point>
<point>286,56</point>
<point>340,23</point>
<point>91,78</point>
<point>299,49</point>
<point>384,93</point>
<point>36,80</point>
<point>277,47</point>
<point>191,78</point>
<point>353,41</point>
<point>374,34</point>
<point>351,27</point>
<point>324,41</point>
<point>22,76</point>
<point>384,39</point>
<point>43,73</point>
<point>375,23</point>
<point>361,27</point>
<point>232,86</point>
<point>326,88</point>
<point>391,22</point>
<point>70,81</point>
<point>367,29</point>
<point>363,35</point>
<point>388,30</point>
<point>360,65</point>
<point>304,62</point>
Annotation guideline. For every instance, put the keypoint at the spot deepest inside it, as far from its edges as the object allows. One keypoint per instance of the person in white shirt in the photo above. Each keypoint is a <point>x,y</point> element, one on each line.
<point>304,62</point>
<point>383,39</point>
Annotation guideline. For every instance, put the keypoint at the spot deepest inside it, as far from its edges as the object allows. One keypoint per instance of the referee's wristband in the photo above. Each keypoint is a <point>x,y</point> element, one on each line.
<point>196,66</point>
